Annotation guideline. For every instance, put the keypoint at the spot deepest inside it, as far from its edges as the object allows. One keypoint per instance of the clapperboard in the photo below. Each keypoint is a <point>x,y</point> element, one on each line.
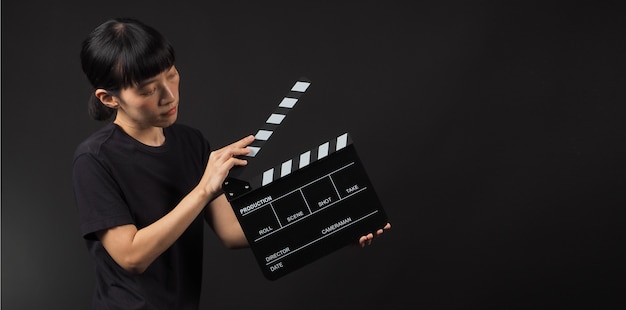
<point>305,207</point>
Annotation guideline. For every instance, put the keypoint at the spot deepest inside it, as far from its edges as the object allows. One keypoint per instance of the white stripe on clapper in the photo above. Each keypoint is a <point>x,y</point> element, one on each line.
<point>323,150</point>
<point>277,118</point>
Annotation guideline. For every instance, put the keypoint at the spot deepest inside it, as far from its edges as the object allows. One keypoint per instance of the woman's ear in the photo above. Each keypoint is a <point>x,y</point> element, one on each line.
<point>107,98</point>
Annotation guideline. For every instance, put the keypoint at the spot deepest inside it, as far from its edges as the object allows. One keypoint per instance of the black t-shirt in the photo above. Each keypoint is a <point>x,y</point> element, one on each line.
<point>118,180</point>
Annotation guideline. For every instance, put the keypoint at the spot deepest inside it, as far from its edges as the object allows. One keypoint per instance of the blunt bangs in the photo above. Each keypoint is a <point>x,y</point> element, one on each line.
<point>145,58</point>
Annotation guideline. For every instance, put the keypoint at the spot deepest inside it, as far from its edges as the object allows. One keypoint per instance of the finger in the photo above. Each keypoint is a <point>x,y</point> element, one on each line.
<point>235,161</point>
<point>243,142</point>
<point>241,147</point>
<point>362,241</point>
<point>240,151</point>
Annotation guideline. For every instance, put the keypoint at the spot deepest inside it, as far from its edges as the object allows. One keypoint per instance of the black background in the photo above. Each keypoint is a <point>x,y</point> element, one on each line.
<point>493,132</point>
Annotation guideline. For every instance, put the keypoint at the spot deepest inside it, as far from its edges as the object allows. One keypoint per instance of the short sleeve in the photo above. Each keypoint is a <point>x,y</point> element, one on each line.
<point>99,198</point>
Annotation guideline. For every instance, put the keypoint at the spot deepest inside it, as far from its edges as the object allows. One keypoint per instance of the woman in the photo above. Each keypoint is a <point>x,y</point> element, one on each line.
<point>143,183</point>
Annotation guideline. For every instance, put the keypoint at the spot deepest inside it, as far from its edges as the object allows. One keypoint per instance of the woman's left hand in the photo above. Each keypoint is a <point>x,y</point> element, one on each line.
<point>367,239</point>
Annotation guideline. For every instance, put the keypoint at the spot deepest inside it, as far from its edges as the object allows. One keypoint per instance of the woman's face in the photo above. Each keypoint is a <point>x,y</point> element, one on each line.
<point>151,103</point>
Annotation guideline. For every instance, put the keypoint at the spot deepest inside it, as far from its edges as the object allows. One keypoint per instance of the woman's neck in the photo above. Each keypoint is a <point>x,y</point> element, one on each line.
<point>151,136</point>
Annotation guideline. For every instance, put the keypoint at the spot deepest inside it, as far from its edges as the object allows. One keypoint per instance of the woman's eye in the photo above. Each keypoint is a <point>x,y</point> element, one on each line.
<point>149,92</point>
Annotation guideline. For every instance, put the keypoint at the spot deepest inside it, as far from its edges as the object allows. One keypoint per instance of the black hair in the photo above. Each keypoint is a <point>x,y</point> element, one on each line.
<point>121,53</point>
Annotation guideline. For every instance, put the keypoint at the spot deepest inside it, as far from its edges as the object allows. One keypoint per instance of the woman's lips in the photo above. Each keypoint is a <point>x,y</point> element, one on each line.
<point>171,111</point>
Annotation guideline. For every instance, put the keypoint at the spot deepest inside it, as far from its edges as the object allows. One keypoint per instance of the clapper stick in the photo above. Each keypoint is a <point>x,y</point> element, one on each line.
<point>233,185</point>
<point>275,119</point>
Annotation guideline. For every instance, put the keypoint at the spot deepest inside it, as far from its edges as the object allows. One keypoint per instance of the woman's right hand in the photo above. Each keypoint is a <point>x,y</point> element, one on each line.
<point>220,163</point>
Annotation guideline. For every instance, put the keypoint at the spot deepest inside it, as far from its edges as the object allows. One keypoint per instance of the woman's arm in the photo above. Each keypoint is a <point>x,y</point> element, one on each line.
<point>134,250</point>
<point>222,219</point>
